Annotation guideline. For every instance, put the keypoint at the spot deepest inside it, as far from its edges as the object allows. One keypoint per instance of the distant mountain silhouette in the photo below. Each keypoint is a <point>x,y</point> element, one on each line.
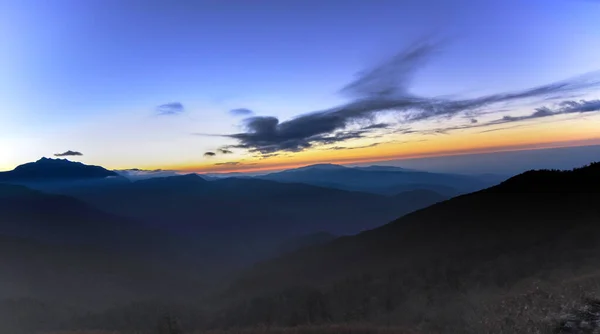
<point>231,174</point>
<point>136,174</point>
<point>47,169</point>
<point>535,222</point>
<point>329,167</point>
<point>235,214</point>
<point>375,168</point>
<point>378,179</point>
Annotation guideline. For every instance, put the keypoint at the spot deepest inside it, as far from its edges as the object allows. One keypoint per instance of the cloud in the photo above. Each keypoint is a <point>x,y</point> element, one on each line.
<point>172,108</point>
<point>392,77</point>
<point>230,163</point>
<point>383,89</point>
<point>583,106</point>
<point>224,151</point>
<point>241,112</point>
<point>68,153</point>
<point>562,108</point>
<point>266,135</point>
<point>377,126</point>
<point>209,154</point>
<point>337,148</point>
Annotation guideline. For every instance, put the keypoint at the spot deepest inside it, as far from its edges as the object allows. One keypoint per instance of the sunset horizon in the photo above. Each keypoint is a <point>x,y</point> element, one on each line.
<point>225,168</point>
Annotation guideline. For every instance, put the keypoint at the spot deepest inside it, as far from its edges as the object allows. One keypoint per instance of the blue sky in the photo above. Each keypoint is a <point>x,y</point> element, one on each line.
<point>89,75</point>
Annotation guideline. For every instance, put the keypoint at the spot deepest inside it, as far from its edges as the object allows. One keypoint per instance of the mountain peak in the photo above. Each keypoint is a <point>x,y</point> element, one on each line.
<point>323,167</point>
<point>46,169</point>
<point>178,180</point>
<point>57,161</point>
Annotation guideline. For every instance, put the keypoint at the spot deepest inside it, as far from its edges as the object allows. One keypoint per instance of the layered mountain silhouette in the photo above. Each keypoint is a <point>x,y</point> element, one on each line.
<point>64,220</point>
<point>380,179</point>
<point>242,219</point>
<point>54,218</point>
<point>250,216</point>
<point>61,219</point>
<point>191,203</point>
<point>535,222</point>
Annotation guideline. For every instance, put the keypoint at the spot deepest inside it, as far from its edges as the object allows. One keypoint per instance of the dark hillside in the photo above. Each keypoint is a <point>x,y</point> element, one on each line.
<point>537,223</point>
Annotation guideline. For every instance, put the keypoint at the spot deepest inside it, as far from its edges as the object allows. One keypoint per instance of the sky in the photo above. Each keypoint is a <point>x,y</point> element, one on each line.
<point>210,86</point>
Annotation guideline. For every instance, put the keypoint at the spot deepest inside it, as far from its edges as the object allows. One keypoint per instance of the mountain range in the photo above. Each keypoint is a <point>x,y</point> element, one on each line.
<point>285,249</point>
<point>385,180</point>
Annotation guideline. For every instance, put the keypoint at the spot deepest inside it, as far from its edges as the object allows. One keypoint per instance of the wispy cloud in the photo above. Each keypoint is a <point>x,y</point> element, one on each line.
<point>241,112</point>
<point>562,108</point>
<point>224,151</point>
<point>337,148</point>
<point>230,163</point>
<point>209,154</point>
<point>68,153</point>
<point>377,126</point>
<point>172,108</point>
<point>385,89</point>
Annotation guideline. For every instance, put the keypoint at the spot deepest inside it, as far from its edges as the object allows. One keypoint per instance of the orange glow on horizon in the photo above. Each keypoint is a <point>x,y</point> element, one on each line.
<point>561,132</point>
<point>488,150</point>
